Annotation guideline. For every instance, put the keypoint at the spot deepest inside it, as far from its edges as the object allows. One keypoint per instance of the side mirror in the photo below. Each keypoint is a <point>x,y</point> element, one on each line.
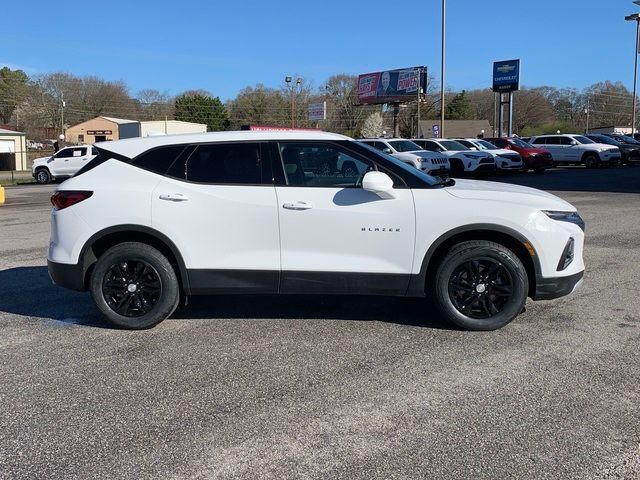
<point>379,183</point>
<point>575,142</point>
<point>387,150</point>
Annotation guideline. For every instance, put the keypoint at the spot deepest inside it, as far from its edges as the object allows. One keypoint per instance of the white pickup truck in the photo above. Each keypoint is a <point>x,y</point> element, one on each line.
<point>62,164</point>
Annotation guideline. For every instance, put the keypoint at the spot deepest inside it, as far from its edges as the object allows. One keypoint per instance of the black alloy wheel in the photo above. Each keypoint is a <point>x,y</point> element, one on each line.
<point>480,288</point>
<point>479,285</point>
<point>134,285</point>
<point>131,288</point>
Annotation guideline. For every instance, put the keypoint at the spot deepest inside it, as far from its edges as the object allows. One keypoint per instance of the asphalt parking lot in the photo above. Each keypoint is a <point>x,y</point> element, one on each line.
<point>326,387</point>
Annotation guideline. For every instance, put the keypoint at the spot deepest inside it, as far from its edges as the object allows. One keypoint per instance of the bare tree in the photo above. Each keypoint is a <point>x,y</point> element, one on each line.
<point>155,105</point>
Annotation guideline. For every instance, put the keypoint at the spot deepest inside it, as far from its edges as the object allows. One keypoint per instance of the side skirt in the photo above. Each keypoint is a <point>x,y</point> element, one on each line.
<point>211,282</point>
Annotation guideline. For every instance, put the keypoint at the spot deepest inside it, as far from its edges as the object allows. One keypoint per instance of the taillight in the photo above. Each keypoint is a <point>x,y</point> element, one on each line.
<point>66,198</point>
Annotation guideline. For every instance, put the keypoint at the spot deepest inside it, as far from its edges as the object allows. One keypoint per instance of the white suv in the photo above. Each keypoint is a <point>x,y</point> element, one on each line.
<point>152,219</point>
<point>506,160</point>
<point>577,149</point>
<point>408,152</point>
<point>62,164</point>
<point>461,157</point>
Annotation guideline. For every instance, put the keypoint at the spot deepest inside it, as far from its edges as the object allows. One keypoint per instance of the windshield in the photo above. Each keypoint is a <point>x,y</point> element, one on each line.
<point>484,145</point>
<point>630,140</point>
<point>603,139</point>
<point>412,170</point>
<point>521,143</point>
<point>404,146</point>
<point>452,145</point>
<point>583,140</point>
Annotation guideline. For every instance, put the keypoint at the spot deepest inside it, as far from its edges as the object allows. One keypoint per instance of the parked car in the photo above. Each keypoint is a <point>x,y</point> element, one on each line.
<point>462,158</point>
<point>408,152</point>
<point>624,150</point>
<point>578,150</point>
<point>152,219</point>
<point>534,158</point>
<point>62,164</point>
<point>506,160</point>
<point>629,147</point>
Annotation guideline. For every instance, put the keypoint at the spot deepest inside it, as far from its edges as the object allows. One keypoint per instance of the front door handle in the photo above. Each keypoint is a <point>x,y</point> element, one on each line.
<point>174,197</point>
<point>297,206</point>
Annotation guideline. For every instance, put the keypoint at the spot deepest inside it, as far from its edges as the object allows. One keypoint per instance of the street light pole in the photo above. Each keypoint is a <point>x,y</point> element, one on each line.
<point>442,71</point>
<point>635,18</point>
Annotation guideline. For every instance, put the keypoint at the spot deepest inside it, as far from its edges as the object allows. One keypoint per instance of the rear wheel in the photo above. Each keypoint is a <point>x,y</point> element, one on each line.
<point>480,285</point>
<point>43,176</point>
<point>134,286</point>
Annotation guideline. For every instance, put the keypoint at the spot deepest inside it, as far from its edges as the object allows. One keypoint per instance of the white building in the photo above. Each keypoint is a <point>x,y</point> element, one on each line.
<point>13,150</point>
<point>168,127</point>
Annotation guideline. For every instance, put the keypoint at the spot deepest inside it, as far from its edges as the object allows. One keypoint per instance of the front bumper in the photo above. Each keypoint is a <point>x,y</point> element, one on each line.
<point>550,288</point>
<point>485,168</point>
<point>436,171</point>
<point>67,275</point>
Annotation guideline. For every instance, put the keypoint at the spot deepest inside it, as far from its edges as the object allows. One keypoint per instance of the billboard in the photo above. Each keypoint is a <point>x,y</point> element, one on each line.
<point>318,111</point>
<point>391,85</point>
<point>506,76</point>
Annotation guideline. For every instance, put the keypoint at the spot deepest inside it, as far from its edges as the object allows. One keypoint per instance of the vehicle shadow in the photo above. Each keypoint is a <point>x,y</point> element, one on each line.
<point>624,179</point>
<point>28,291</point>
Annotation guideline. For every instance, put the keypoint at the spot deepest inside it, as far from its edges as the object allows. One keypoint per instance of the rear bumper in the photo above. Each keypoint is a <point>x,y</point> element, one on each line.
<point>67,275</point>
<point>550,288</point>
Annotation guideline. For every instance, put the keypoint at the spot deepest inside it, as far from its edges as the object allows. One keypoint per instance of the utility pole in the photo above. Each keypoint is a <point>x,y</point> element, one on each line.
<point>62,105</point>
<point>418,135</point>
<point>442,67</point>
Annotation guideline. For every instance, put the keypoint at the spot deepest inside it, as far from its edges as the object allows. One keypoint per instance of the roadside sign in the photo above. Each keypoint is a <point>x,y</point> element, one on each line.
<point>435,131</point>
<point>506,76</point>
<point>318,111</point>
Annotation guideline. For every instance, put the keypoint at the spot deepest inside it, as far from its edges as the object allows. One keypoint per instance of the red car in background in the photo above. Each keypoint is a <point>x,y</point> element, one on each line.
<point>534,158</point>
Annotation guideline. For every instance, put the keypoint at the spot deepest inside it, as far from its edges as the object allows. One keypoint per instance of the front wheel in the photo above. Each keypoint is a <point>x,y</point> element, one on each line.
<point>43,176</point>
<point>480,285</point>
<point>134,286</point>
<point>591,161</point>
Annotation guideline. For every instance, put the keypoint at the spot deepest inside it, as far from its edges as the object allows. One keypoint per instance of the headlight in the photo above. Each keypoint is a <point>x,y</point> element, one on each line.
<point>468,155</point>
<point>570,217</point>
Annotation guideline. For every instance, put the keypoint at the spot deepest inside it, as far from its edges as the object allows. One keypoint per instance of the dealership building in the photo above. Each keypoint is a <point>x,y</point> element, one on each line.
<point>102,129</point>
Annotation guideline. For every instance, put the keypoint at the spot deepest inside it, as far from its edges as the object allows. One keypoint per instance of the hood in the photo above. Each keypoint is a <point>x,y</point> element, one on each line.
<point>41,160</point>
<point>508,193</point>
<point>529,151</point>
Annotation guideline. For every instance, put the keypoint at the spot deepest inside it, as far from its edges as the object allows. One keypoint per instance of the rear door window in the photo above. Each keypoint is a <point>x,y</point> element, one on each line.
<point>227,164</point>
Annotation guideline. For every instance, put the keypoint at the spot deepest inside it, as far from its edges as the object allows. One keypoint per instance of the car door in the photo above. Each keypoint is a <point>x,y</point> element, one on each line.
<point>217,203</point>
<point>572,153</point>
<point>336,237</point>
<point>60,161</point>
<point>557,150</point>
<point>79,157</point>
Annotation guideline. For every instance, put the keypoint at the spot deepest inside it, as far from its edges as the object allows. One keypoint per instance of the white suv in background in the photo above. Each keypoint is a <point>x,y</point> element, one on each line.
<point>408,152</point>
<point>461,157</point>
<point>62,164</point>
<point>152,219</point>
<point>577,149</point>
<point>506,160</point>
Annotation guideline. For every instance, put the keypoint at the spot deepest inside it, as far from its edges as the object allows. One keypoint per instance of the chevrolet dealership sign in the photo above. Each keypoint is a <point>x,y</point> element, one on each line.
<point>506,76</point>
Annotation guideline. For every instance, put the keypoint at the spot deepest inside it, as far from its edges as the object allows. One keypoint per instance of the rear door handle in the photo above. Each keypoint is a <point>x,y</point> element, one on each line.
<point>174,197</point>
<point>297,206</point>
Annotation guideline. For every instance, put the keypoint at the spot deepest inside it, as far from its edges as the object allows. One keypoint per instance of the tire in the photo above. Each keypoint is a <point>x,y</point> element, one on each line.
<point>472,305</point>
<point>140,280</point>
<point>457,168</point>
<point>590,160</point>
<point>349,169</point>
<point>43,176</point>
<point>325,169</point>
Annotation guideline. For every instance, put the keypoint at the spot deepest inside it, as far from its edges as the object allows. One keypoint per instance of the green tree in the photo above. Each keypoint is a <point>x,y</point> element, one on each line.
<point>459,108</point>
<point>201,107</point>
<point>13,89</point>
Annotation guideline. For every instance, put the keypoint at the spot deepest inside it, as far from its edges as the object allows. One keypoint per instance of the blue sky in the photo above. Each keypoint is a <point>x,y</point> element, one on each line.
<point>223,46</point>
